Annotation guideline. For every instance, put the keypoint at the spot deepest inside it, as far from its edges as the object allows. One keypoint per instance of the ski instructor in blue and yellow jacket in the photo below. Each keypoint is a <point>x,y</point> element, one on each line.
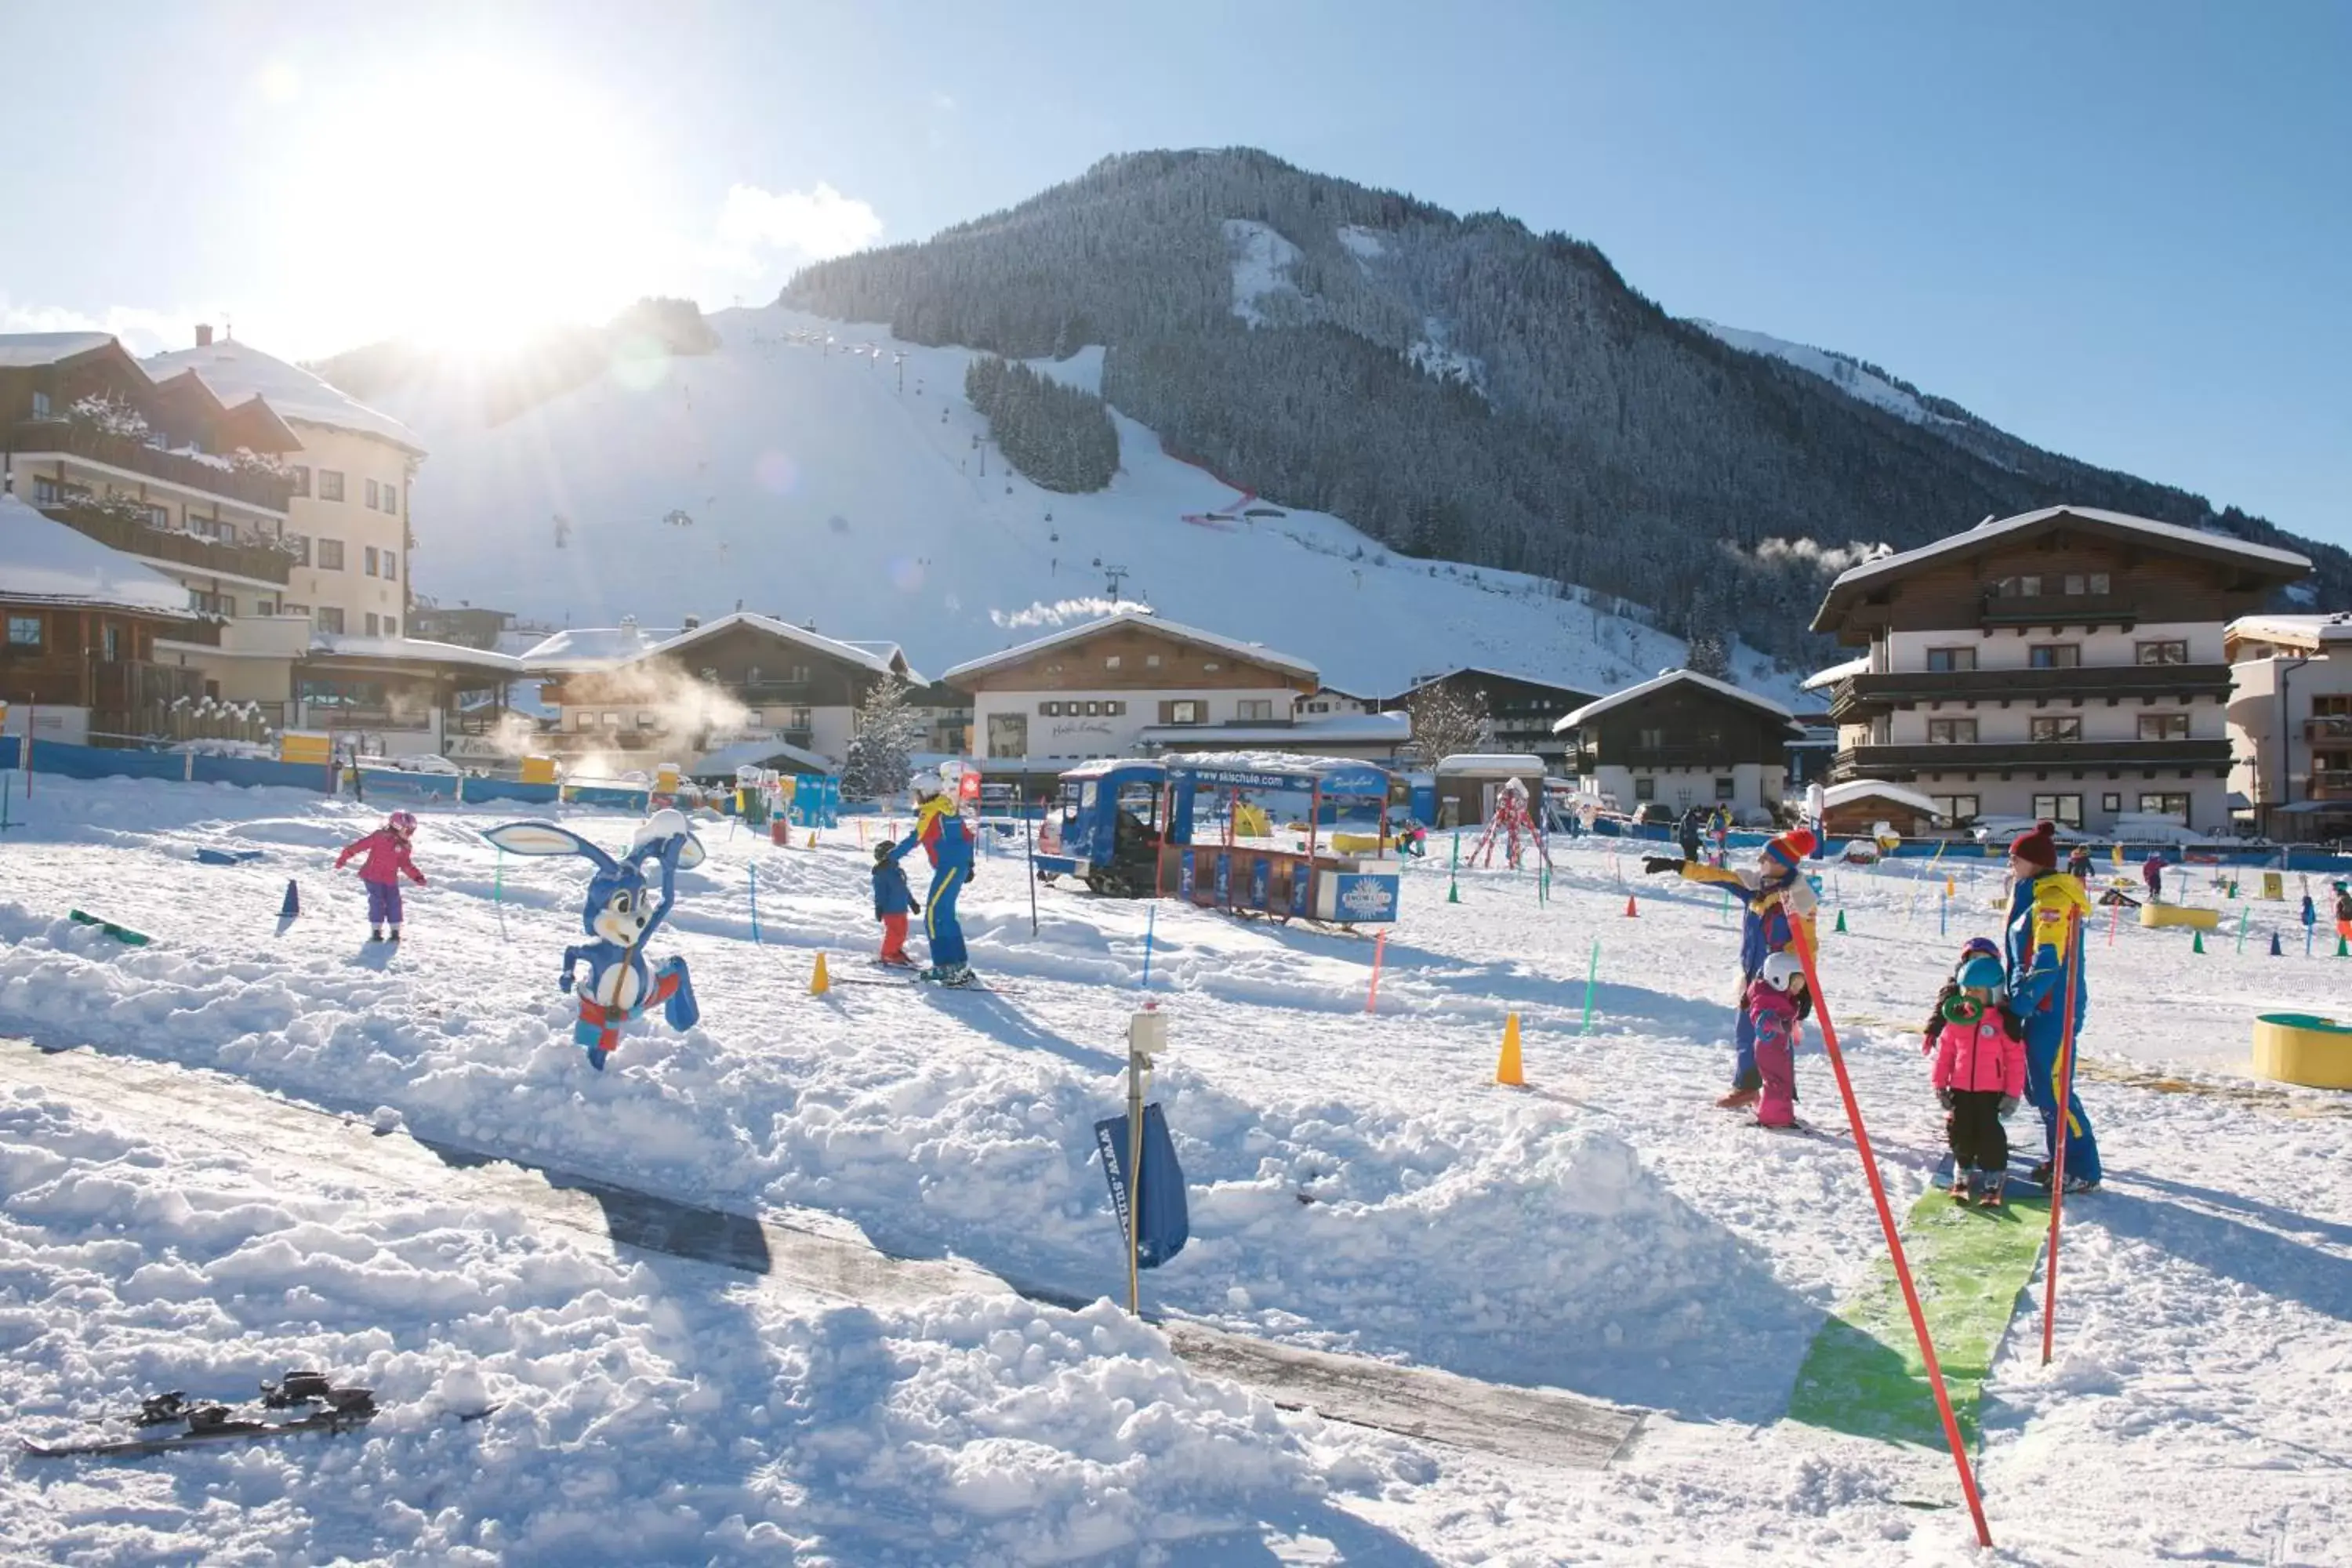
<point>940,828</point>
<point>1776,896</point>
<point>2046,909</point>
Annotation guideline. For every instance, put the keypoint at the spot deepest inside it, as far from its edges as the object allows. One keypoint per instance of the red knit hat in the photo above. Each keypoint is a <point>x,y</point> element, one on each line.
<point>2039,847</point>
<point>1791,848</point>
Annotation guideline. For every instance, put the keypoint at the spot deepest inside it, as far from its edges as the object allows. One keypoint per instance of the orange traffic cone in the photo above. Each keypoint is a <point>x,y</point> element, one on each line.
<point>1506,1071</point>
<point>820,983</point>
<point>1631,912</point>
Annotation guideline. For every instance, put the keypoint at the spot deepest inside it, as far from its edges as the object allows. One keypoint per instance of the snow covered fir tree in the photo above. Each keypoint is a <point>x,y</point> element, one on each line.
<point>887,733</point>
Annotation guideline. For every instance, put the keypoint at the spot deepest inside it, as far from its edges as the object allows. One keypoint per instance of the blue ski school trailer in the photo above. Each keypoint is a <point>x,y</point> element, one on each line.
<point>1104,831</point>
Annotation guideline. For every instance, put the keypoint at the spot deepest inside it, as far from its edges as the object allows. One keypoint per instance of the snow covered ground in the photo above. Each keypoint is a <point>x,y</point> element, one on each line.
<point>832,472</point>
<point>1357,1184</point>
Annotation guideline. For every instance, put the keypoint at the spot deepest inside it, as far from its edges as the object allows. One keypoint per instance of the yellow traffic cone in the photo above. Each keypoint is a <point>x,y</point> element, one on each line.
<point>812,838</point>
<point>820,983</point>
<point>1508,1069</point>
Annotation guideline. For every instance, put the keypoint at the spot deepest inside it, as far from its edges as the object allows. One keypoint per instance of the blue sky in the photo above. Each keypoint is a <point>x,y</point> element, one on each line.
<point>2122,231</point>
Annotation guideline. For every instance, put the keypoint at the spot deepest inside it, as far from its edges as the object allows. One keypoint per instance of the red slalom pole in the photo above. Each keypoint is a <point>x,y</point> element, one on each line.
<point>1379,951</point>
<point>2063,1091</point>
<point>1805,947</point>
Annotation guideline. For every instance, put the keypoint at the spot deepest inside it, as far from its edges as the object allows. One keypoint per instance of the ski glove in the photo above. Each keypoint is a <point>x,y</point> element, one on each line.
<point>1654,864</point>
<point>563,981</point>
<point>2008,1104</point>
<point>1944,1098</point>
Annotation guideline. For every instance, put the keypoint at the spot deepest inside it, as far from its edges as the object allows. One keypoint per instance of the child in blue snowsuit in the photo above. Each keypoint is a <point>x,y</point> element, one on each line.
<point>940,830</point>
<point>1774,895</point>
<point>893,902</point>
<point>2039,936</point>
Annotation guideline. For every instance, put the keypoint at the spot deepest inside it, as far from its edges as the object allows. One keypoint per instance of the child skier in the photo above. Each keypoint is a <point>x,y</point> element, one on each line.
<point>1975,947</point>
<point>387,861</point>
<point>1778,1006</point>
<point>893,902</point>
<point>2344,911</point>
<point>2078,864</point>
<point>1776,897</point>
<point>1979,1073</point>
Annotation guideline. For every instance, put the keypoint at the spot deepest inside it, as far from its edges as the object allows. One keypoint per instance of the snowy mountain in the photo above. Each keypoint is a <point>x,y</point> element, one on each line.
<point>833,474</point>
<point>1464,388</point>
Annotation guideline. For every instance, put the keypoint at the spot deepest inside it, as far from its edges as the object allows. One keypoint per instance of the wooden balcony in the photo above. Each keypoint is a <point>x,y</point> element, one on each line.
<point>1861,697</point>
<point>1720,759</point>
<point>188,550</point>
<point>2335,730</point>
<point>32,439</point>
<point>2328,783</point>
<point>2054,610</point>
<point>1900,761</point>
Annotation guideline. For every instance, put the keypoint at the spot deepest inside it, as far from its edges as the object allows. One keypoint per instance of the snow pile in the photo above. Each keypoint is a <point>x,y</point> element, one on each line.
<point>1262,262</point>
<point>44,561</point>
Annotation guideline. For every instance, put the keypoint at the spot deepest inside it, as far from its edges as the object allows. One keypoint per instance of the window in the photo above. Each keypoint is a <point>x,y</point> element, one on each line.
<point>1113,709</point>
<point>392,566</point>
<point>368,563</point>
<point>212,604</point>
<point>2172,806</point>
<point>1957,809</point>
<point>1951,659</point>
<point>1008,734</point>
<point>330,619</point>
<point>111,641</point>
<point>581,719</point>
<point>1951,732</point>
<point>1645,789</point>
<point>374,624</point>
<point>301,478</point>
<point>2054,656</point>
<point>304,610</point>
<point>2075,584</point>
<point>645,721</point>
<point>392,625</point>
<point>1258,708</point>
<point>2111,803</point>
<point>2066,810</point>
<point>1151,661</point>
<point>2173,650</point>
<point>797,719</point>
<point>374,496</point>
<point>330,556</point>
<point>2019,587</point>
<point>331,484</point>
<point>1209,665</point>
<point>1723,789</point>
<point>24,631</point>
<point>1183,711</point>
<point>1049,709</point>
<point>41,406</point>
<point>2057,727</point>
<point>2163,726</point>
<point>1653,739</point>
<point>1110,661</point>
<point>2331,707</point>
<point>610,721</point>
<point>299,544</point>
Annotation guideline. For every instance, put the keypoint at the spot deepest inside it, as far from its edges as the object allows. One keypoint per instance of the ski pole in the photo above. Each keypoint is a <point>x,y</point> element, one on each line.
<point>1150,915</point>
<point>2063,1092</point>
<point>1804,946</point>
<point>754,870</point>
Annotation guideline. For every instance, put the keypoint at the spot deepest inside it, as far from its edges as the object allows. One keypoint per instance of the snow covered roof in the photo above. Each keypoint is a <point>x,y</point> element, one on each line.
<point>850,653</point>
<point>2295,631</point>
<point>1248,650</point>
<point>579,648</point>
<point>2285,563</point>
<point>1872,789</point>
<point>887,652</point>
<point>1340,729</point>
<point>43,562</point>
<point>414,651</point>
<point>1491,671</point>
<point>1592,710</point>
<point>1823,680</point>
<point>1490,762</point>
<point>28,351</point>
<point>236,371</point>
<point>1293,763</point>
<point>756,754</point>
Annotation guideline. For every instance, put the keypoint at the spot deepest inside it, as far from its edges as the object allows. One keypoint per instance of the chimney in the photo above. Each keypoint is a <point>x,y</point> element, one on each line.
<point>690,623</point>
<point>203,334</point>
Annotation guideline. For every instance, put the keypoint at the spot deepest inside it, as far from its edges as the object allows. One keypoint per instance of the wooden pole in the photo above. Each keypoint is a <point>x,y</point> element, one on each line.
<point>1804,946</point>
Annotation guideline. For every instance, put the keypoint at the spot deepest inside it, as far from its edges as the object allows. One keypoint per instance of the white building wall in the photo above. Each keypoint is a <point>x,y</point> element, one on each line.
<point>1908,651</point>
<point>1075,738</point>
<point>2269,742</point>
<point>356,526</point>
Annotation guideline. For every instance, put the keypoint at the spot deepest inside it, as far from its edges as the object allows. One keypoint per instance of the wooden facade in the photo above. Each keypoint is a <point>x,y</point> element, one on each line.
<point>756,667</point>
<point>1683,726</point>
<point>1135,656</point>
<point>94,657</point>
<point>1520,711</point>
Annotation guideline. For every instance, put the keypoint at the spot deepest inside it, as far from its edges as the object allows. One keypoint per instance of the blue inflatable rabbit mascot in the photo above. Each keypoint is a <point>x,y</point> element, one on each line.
<point>622,915</point>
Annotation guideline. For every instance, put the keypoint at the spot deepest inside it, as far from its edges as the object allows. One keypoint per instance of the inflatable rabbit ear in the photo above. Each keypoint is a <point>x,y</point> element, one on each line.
<point>546,838</point>
<point>691,855</point>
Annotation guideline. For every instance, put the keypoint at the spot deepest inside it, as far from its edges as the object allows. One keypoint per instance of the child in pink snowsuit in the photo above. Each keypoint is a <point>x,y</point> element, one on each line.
<point>387,861</point>
<point>1777,1006</point>
<point>1979,1073</point>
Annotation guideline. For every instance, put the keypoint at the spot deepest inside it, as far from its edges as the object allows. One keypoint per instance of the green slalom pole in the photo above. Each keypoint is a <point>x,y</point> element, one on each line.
<point>1592,974</point>
<point>1453,872</point>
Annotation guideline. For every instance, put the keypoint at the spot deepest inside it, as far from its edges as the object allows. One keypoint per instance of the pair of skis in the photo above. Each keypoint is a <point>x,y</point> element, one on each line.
<point>299,1403</point>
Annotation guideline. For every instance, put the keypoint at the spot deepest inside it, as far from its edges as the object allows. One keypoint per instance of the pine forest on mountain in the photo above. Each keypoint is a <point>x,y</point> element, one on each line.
<point>1462,388</point>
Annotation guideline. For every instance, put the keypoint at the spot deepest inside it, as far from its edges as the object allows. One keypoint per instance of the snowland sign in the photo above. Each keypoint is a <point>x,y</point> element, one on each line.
<point>1166,1225</point>
<point>1361,897</point>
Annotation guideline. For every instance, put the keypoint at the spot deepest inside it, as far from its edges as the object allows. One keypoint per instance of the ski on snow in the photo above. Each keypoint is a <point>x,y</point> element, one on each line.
<point>310,1401</point>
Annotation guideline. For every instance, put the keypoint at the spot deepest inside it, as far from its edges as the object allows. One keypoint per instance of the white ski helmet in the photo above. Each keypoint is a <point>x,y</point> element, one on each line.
<point>1781,971</point>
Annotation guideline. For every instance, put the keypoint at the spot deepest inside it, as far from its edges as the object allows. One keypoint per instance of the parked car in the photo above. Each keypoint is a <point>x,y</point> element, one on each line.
<point>1655,813</point>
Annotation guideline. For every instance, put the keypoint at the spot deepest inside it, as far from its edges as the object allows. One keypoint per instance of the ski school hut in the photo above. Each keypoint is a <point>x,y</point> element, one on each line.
<point>1263,878</point>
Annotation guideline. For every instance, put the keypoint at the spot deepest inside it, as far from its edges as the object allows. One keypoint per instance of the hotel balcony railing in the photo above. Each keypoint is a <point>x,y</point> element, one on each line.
<point>31,439</point>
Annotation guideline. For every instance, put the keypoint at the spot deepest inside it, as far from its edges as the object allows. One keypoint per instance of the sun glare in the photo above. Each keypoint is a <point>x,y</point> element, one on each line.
<point>469,206</point>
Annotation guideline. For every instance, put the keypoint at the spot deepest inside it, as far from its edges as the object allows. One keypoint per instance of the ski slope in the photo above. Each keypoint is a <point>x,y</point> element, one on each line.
<point>1357,1184</point>
<point>1843,374</point>
<point>819,491</point>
